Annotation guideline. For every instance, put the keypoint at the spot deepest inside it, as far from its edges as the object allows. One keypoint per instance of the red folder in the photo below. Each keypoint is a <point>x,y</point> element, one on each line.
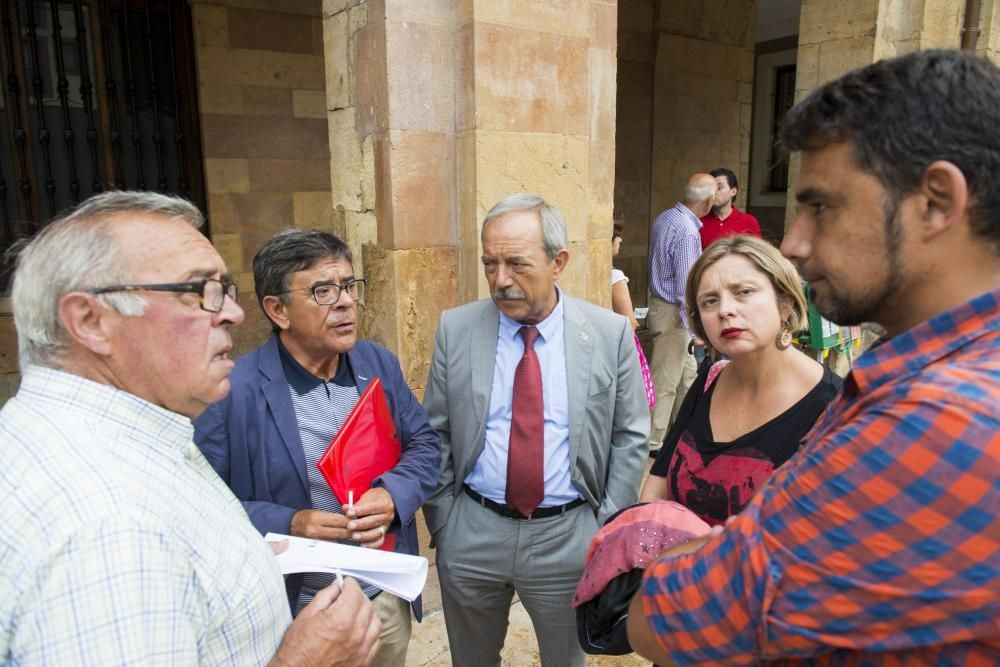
<point>366,446</point>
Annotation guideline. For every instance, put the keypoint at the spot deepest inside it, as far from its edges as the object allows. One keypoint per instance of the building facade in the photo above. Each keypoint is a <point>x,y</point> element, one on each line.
<point>397,124</point>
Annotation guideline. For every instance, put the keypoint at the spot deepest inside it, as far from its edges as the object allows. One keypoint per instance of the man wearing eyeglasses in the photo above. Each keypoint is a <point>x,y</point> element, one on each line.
<point>290,397</point>
<point>120,544</point>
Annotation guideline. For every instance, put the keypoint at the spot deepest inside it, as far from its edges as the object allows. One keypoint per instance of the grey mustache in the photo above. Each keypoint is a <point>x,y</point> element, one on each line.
<point>508,294</point>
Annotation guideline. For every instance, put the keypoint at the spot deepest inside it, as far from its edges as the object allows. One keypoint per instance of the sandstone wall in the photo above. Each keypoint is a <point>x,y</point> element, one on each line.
<point>264,130</point>
<point>536,112</point>
<point>989,39</point>
<point>398,123</point>
<point>835,38</point>
<point>438,109</point>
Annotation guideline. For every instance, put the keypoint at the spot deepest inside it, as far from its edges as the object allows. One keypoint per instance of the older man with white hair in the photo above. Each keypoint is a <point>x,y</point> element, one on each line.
<point>674,245</point>
<point>120,544</point>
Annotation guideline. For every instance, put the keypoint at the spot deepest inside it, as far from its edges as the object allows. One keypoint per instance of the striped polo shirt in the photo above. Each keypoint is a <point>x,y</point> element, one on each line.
<point>321,406</point>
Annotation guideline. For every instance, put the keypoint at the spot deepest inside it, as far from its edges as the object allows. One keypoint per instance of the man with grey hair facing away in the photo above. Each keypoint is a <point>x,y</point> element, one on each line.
<point>542,412</point>
<point>674,245</point>
<point>120,544</point>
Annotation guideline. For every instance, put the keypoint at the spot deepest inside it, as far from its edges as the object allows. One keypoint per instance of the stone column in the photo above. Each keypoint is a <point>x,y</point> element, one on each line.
<point>390,98</point>
<point>835,38</point>
<point>989,39</point>
<point>439,108</point>
<point>536,112</point>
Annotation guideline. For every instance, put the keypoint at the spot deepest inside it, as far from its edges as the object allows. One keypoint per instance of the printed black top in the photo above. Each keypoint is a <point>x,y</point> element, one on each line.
<point>717,479</point>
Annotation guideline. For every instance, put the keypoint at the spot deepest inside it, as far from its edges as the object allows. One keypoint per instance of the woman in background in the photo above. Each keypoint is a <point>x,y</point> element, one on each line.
<point>621,300</point>
<point>745,416</point>
<point>621,303</point>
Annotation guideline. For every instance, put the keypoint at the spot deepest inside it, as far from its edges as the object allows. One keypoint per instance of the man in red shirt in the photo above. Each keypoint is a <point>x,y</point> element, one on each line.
<point>724,218</point>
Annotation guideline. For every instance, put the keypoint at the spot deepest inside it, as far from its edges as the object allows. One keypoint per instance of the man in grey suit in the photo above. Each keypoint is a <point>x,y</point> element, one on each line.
<point>540,404</point>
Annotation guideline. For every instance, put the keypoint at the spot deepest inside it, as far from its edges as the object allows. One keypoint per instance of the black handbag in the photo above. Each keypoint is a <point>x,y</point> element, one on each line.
<point>601,621</point>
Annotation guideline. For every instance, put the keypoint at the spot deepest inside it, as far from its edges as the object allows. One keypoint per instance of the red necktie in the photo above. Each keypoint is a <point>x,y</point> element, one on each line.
<point>525,484</point>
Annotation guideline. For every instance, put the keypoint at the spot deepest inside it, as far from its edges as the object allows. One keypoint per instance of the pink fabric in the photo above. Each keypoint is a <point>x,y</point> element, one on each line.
<point>636,537</point>
<point>647,376</point>
<point>713,373</point>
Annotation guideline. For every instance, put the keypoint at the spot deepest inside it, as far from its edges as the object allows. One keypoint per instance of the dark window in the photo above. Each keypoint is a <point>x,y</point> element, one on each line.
<point>783,98</point>
<point>98,95</point>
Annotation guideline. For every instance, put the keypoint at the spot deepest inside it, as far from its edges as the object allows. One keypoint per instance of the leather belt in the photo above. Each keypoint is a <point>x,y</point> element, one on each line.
<point>510,512</point>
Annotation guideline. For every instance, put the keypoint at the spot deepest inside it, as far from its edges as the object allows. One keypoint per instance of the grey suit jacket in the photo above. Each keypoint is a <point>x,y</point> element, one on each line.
<point>608,420</point>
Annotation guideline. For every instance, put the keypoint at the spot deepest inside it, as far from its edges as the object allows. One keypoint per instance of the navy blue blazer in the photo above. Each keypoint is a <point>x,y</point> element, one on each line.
<point>252,440</point>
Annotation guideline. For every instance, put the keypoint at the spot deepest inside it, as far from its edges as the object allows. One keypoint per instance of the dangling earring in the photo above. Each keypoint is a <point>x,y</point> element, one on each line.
<point>784,338</point>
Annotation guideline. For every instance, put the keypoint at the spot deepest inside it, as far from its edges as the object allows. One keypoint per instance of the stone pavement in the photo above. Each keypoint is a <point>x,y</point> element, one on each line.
<point>429,642</point>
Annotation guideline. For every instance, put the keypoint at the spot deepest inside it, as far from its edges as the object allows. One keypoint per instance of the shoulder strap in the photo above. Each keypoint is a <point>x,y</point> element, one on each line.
<point>714,371</point>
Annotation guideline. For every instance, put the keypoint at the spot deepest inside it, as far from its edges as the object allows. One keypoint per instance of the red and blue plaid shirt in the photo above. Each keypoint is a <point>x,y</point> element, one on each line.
<point>878,543</point>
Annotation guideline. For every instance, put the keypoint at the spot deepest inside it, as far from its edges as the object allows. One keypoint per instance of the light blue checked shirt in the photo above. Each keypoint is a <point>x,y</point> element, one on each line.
<point>674,245</point>
<point>120,544</point>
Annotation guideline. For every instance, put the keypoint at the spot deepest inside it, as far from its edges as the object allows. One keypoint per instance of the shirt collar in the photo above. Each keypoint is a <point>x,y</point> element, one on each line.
<point>927,342</point>
<point>734,216</point>
<point>548,328</point>
<point>302,380</point>
<point>63,391</point>
<point>689,213</point>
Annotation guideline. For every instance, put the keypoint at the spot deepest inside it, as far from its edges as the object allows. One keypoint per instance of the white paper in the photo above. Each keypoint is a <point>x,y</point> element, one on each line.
<point>400,574</point>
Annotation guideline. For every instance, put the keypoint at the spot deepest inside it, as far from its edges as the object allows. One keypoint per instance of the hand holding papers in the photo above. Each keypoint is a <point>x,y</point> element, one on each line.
<point>400,574</point>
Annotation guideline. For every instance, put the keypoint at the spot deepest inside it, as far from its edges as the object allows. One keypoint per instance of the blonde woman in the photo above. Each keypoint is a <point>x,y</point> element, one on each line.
<point>743,417</point>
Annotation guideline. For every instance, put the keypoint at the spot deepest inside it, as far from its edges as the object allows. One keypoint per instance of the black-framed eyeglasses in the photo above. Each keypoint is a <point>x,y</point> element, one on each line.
<point>211,292</point>
<point>327,294</point>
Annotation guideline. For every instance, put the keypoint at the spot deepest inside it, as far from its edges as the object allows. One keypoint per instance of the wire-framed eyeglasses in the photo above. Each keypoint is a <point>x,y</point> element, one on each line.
<point>211,292</point>
<point>327,294</point>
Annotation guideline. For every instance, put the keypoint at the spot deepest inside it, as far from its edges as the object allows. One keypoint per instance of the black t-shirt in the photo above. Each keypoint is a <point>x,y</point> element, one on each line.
<point>717,479</point>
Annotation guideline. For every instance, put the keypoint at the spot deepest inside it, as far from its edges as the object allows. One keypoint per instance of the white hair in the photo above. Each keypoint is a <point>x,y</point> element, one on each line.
<point>75,252</point>
<point>554,236</point>
<point>696,194</point>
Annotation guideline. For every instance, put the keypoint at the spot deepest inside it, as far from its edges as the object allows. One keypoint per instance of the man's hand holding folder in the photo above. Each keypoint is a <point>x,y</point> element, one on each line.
<point>365,447</point>
<point>363,522</point>
<point>370,517</point>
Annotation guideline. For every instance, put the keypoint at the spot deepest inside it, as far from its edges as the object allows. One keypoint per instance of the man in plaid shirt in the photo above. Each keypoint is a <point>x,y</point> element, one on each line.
<point>879,542</point>
<point>121,545</point>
